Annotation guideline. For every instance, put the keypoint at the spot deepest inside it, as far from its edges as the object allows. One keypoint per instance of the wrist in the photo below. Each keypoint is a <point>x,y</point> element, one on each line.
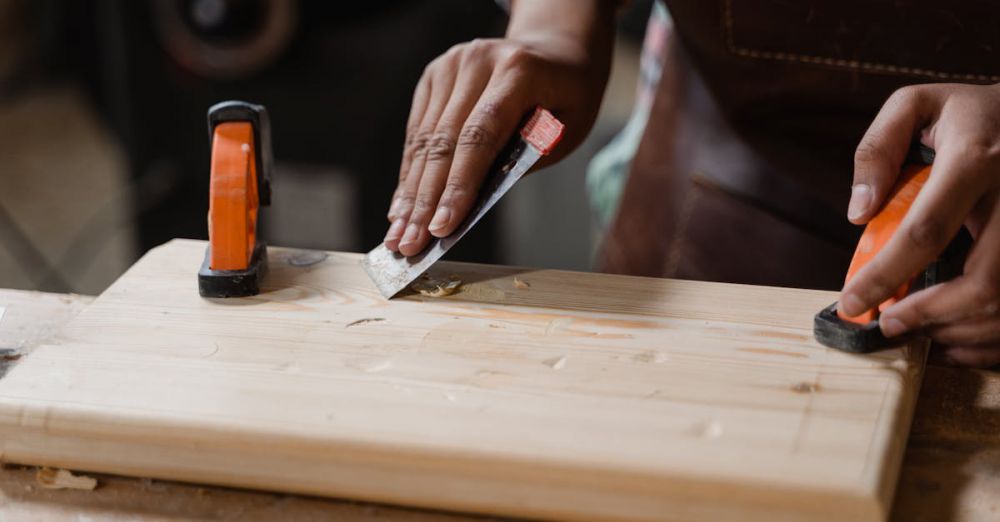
<point>581,29</point>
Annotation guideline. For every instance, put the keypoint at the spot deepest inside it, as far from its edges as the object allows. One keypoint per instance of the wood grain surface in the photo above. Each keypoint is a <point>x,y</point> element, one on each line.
<point>582,395</point>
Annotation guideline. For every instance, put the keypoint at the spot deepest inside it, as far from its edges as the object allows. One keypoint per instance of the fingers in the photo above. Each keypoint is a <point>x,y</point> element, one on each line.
<point>962,301</point>
<point>973,356</point>
<point>421,98</point>
<point>439,154</point>
<point>953,188</point>
<point>975,332</point>
<point>962,305</point>
<point>406,193</point>
<point>491,123</point>
<point>880,155</point>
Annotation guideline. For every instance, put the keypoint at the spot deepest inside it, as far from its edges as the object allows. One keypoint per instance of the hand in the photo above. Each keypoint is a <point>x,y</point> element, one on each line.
<point>962,124</point>
<point>470,100</point>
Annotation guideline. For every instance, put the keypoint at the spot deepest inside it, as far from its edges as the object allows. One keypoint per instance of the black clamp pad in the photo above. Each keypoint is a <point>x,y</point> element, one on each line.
<point>832,331</point>
<point>233,283</point>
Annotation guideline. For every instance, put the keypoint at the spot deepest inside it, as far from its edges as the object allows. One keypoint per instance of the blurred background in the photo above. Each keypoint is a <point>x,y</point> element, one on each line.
<point>104,146</point>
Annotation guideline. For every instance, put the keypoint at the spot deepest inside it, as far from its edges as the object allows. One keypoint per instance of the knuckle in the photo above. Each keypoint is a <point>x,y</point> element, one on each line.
<point>878,287</point>
<point>986,295</point>
<point>458,189</point>
<point>440,146</point>
<point>927,232</point>
<point>982,153</point>
<point>454,51</point>
<point>411,137</point>
<point>517,57</point>
<point>405,200</point>
<point>489,109</point>
<point>907,94</point>
<point>869,150</point>
<point>477,47</point>
<point>431,67</point>
<point>418,141</point>
<point>476,136</point>
<point>422,207</point>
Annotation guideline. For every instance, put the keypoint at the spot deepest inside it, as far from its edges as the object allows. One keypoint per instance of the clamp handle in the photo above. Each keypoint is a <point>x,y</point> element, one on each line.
<point>880,230</point>
<point>256,115</point>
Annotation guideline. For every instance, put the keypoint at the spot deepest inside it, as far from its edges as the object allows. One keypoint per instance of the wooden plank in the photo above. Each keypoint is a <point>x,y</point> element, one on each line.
<point>28,318</point>
<point>32,318</point>
<point>948,469</point>
<point>585,395</point>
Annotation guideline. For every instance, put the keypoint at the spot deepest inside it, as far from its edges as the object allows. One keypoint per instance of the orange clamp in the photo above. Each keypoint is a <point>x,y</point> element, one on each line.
<point>880,230</point>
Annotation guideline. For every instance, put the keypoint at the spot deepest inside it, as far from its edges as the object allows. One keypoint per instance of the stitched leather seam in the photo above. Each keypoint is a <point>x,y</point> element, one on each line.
<point>840,63</point>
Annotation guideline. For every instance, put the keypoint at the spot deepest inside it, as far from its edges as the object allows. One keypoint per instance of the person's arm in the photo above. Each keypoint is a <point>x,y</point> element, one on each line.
<point>467,105</point>
<point>962,124</point>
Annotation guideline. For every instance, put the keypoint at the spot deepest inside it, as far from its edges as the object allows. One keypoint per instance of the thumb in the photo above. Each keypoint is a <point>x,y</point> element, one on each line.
<point>880,155</point>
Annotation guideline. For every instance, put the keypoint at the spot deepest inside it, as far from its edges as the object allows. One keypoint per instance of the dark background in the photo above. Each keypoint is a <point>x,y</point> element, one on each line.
<point>337,79</point>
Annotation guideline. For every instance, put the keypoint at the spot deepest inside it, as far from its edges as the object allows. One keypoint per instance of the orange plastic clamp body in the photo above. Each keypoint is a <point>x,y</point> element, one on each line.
<point>233,200</point>
<point>881,228</point>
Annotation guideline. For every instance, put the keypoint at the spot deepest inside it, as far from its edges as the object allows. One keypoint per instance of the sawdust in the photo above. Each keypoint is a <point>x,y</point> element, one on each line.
<point>651,356</point>
<point>51,478</point>
<point>432,287</point>
<point>521,284</point>
<point>805,387</point>
<point>556,363</point>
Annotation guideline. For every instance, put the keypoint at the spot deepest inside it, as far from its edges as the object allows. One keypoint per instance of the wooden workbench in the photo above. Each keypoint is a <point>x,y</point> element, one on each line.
<point>951,469</point>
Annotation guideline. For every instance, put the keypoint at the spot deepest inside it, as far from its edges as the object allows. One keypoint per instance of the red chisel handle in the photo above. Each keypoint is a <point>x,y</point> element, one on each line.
<point>542,131</point>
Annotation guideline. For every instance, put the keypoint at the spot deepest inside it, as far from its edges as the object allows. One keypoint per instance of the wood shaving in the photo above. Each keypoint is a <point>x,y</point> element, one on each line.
<point>431,287</point>
<point>556,363</point>
<point>518,283</point>
<point>805,387</point>
<point>8,356</point>
<point>366,320</point>
<point>50,478</point>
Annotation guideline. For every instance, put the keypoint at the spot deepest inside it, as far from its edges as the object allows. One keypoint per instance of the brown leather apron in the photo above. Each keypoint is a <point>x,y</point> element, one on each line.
<point>745,167</point>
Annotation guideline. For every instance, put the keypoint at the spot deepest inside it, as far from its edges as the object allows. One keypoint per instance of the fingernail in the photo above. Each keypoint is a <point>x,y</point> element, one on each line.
<point>851,305</point>
<point>411,234</point>
<point>892,327</point>
<point>395,230</point>
<point>441,218</point>
<point>861,199</point>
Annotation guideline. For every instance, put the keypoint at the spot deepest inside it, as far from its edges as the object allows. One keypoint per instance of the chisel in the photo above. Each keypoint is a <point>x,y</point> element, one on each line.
<point>392,272</point>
